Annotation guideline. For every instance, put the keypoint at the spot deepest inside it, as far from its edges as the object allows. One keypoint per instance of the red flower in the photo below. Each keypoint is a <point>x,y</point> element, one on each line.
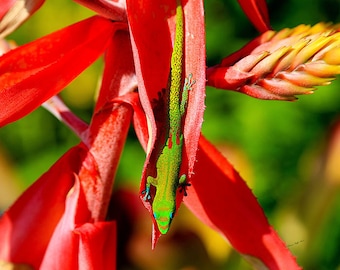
<point>59,225</point>
<point>70,201</point>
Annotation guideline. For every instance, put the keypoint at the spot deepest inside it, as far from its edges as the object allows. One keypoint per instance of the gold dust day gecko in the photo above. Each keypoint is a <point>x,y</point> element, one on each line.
<point>169,160</point>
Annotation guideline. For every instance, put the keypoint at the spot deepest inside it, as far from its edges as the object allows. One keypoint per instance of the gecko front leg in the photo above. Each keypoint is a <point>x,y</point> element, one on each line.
<point>188,84</point>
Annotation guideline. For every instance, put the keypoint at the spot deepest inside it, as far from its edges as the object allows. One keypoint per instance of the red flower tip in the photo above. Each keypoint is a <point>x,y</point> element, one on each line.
<point>24,70</point>
<point>257,12</point>
<point>14,13</point>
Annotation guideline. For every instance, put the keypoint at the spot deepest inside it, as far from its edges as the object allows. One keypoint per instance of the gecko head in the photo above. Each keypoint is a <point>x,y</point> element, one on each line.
<point>163,213</point>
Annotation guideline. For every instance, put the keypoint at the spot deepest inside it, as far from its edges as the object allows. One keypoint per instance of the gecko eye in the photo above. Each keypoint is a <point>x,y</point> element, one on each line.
<point>171,215</point>
<point>155,215</point>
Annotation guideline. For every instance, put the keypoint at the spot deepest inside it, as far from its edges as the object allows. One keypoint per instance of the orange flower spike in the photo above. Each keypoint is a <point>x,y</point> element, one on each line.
<point>284,64</point>
<point>268,63</point>
<point>310,50</point>
<point>321,69</point>
<point>332,57</point>
<point>247,63</point>
<point>286,61</point>
<point>303,79</point>
<point>284,88</point>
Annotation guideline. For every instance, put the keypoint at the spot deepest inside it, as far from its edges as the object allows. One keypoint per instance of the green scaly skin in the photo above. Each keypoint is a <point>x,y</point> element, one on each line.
<point>169,161</point>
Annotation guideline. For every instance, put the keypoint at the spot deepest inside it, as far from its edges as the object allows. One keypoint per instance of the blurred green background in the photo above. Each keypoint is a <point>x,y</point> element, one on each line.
<point>282,149</point>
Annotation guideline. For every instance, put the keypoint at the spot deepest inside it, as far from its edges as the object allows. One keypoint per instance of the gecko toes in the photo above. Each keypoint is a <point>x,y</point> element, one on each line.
<point>182,188</point>
<point>147,195</point>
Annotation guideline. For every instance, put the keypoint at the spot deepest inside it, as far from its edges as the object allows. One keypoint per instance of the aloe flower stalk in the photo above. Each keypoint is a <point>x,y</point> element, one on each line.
<point>280,65</point>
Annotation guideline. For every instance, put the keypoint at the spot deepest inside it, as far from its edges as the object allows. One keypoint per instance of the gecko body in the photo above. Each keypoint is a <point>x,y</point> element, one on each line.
<point>169,160</point>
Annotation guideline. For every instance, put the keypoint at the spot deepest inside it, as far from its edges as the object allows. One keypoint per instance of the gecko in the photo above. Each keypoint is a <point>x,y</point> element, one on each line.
<point>169,160</point>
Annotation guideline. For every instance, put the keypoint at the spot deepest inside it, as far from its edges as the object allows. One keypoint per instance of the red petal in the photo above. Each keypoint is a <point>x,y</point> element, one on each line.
<point>97,245</point>
<point>113,10</point>
<point>257,12</point>
<point>62,251</point>
<point>111,120</point>
<point>119,76</point>
<point>31,74</point>
<point>89,246</point>
<point>220,198</point>
<point>27,226</point>
<point>107,136</point>
<point>86,202</point>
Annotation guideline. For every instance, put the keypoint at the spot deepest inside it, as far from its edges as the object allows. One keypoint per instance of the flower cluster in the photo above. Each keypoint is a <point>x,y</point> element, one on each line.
<point>280,65</point>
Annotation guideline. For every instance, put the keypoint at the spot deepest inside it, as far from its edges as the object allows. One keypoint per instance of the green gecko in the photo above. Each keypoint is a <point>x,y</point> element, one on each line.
<point>169,160</point>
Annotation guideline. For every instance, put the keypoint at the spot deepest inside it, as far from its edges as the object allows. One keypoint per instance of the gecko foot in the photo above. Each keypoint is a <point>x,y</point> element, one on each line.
<point>188,83</point>
<point>183,188</point>
<point>147,195</point>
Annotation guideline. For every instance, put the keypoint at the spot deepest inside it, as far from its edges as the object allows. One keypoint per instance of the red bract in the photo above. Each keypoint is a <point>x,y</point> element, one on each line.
<point>221,199</point>
<point>74,194</point>
<point>59,225</point>
<point>76,231</point>
<point>78,240</point>
<point>113,10</point>
<point>155,46</point>
<point>257,12</point>
<point>54,61</point>
<point>26,230</point>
